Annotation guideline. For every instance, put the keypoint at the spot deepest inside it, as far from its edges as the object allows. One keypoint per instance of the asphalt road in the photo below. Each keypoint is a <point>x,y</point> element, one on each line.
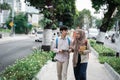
<point>115,46</point>
<point>11,51</point>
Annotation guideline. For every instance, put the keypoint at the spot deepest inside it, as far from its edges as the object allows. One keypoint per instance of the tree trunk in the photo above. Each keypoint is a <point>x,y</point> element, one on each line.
<point>47,35</point>
<point>105,23</point>
<point>47,39</point>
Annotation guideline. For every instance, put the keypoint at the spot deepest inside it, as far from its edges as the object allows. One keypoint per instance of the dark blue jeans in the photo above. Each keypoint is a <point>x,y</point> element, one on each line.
<point>80,71</point>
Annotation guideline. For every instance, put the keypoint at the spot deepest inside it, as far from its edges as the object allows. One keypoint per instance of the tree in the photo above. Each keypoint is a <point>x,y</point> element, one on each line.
<point>65,11</point>
<point>20,23</point>
<point>45,7</point>
<point>117,20</point>
<point>111,6</point>
<point>79,20</point>
<point>5,6</point>
<point>54,12</point>
<point>98,22</point>
<point>83,18</point>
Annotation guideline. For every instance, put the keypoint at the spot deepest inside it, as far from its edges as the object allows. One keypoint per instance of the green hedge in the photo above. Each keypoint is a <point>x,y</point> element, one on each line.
<point>101,49</point>
<point>113,61</point>
<point>106,55</point>
<point>5,30</point>
<point>26,68</point>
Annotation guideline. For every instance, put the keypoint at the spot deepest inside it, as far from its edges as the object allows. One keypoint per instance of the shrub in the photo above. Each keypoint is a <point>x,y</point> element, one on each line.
<point>4,30</point>
<point>102,59</point>
<point>26,68</point>
<point>112,61</point>
<point>92,42</point>
<point>21,24</point>
<point>101,49</point>
<point>106,55</point>
<point>115,63</point>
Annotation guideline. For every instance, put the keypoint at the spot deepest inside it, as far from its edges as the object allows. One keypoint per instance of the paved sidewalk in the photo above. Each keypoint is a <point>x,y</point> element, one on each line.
<point>96,71</point>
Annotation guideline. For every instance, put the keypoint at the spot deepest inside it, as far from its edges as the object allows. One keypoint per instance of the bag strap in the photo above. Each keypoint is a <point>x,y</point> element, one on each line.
<point>57,42</point>
<point>86,43</point>
<point>68,41</point>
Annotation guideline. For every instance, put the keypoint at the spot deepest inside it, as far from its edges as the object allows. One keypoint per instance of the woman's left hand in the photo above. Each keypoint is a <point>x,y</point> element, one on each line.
<point>85,51</point>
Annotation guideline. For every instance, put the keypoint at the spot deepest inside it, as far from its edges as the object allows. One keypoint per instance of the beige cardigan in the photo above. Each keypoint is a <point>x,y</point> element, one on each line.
<point>85,55</point>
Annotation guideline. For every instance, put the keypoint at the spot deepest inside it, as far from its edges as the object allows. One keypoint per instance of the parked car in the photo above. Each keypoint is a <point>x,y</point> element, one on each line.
<point>39,36</point>
<point>92,33</point>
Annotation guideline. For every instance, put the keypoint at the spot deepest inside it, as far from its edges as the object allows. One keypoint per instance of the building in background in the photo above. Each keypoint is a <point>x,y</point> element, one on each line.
<point>20,6</point>
<point>33,16</point>
<point>17,5</point>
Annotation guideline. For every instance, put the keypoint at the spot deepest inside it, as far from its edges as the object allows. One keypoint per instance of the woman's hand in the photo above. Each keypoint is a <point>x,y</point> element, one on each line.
<point>86,51</point>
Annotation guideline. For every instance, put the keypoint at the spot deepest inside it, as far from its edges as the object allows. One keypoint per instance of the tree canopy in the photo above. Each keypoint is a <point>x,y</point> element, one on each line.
<point>20,23</point>
<point>111,6</point>
<point>80,19</point>
<point>5,6</point>
<point>55,10</point>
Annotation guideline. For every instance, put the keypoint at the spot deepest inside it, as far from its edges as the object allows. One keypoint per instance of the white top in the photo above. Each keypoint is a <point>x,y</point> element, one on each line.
<point>63,44</point>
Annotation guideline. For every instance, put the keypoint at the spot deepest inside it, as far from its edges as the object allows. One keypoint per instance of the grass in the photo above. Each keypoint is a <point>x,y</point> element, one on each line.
<point>26,68</point>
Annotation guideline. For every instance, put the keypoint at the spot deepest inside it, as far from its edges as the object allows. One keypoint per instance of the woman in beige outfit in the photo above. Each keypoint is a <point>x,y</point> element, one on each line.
<point>81,49</point>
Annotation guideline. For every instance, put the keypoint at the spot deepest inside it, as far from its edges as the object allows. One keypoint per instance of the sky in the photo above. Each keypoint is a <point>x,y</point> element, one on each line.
<point>23,5</point>
<point>28,9</point>
<point>87,4</point>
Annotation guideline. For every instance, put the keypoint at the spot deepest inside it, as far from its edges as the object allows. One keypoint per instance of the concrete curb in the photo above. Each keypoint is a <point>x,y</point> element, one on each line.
<point>113,73</point>
<point>94,52</point>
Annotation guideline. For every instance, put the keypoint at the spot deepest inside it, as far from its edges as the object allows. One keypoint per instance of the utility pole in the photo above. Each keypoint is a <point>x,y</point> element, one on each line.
<point>13,27</point>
